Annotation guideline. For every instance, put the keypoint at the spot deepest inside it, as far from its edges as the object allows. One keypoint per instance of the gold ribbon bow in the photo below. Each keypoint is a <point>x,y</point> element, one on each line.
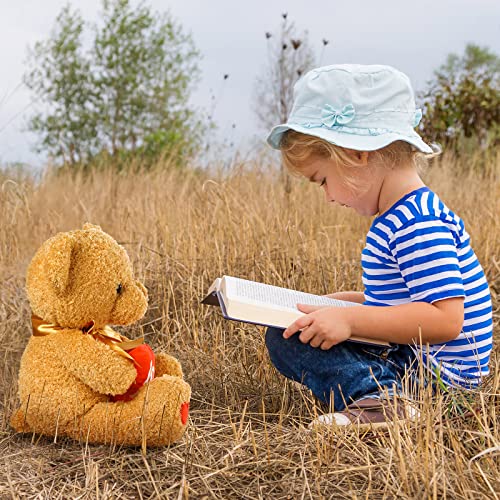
<point>107,335</point>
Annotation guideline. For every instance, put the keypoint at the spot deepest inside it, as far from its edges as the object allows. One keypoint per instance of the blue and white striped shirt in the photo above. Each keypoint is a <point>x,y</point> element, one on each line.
<point>419,251</point>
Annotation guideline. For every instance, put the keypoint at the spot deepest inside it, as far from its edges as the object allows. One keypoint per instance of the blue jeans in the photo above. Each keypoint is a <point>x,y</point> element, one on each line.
<point>345,373</point>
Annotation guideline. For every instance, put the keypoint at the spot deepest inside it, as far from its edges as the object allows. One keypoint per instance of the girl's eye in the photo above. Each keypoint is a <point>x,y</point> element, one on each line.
<point>323,182</point>
<point>119,289</point>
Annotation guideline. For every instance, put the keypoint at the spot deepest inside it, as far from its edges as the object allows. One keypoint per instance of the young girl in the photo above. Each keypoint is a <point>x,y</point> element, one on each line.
<point>351,131</point>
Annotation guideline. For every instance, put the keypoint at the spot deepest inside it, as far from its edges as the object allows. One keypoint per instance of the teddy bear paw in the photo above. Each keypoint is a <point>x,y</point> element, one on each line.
<point>167,365</point>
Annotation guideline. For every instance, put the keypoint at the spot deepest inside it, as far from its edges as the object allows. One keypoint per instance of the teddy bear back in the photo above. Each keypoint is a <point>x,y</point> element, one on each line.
<point>81,276</point>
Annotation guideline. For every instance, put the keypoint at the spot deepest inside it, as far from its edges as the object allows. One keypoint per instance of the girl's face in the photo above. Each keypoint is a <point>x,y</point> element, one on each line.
<point>360,193</point>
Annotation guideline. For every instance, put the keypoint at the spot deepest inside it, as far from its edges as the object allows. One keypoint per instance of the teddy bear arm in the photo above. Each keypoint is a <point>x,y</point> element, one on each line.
<point>167,365</point>
<point>95,364</point>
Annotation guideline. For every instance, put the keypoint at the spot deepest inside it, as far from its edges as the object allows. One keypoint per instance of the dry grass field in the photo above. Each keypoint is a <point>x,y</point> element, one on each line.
<point>247,436</point>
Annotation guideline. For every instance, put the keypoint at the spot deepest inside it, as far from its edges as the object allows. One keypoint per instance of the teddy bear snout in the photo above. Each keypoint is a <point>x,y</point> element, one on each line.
<point>142,288</point>
<point>131,305</point>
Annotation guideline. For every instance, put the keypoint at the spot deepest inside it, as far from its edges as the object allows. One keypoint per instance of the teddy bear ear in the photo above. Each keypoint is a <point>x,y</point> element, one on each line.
<point>59,262</point>
<point>88,225</point>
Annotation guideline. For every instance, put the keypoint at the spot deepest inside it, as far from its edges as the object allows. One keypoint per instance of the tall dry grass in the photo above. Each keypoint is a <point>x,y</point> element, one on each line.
<point>247,435</point>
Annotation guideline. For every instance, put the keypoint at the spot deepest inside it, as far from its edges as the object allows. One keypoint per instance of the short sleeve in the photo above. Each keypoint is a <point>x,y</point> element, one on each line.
<point>427,257</point>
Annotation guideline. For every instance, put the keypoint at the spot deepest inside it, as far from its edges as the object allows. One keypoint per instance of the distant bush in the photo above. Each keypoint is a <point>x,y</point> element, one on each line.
<point>462,103</point>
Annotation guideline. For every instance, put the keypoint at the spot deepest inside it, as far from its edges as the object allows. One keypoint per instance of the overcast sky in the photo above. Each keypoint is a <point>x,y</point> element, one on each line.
<point>413,36</point>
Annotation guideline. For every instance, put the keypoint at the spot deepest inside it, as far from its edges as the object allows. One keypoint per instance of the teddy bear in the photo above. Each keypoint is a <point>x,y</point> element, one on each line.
<point>80,378</point>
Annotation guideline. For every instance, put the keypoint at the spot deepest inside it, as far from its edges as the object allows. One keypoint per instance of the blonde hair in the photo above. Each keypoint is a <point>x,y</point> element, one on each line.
<point>298,148</point>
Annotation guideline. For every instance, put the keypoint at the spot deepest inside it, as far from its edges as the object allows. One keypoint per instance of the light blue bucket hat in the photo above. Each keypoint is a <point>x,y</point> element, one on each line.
<point>361,107</point>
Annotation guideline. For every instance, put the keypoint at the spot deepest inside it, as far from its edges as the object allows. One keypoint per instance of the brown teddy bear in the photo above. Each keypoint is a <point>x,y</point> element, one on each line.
<point>78,377</point>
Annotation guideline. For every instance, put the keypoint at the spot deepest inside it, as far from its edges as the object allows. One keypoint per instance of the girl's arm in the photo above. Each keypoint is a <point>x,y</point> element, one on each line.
<point>358,297</point>
<point>418,322</point>
<point>439,322</point>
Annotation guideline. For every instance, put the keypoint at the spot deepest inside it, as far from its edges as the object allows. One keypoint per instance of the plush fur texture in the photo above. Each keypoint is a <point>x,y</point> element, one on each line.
<point>66,378</point>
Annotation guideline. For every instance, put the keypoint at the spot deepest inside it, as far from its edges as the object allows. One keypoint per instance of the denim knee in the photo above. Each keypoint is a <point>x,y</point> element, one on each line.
<point>274,340</point>
<point>281,353</point>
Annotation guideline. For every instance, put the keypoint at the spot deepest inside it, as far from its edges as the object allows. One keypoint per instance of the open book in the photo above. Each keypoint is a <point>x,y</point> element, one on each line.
<point>267,305</point>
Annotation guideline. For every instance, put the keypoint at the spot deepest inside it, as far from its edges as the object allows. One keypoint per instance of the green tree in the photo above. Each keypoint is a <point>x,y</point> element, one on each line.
<point>61,79</point>
<point>463,99</point>
<point>126,96</point>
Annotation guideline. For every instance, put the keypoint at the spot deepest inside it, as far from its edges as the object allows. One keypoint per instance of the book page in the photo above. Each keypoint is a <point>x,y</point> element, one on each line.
<point>250,291</point>
<point>268,305</point>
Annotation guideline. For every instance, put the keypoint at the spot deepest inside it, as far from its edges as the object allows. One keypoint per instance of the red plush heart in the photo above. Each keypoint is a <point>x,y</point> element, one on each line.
<point>184,413</point>
<point>144,358</point>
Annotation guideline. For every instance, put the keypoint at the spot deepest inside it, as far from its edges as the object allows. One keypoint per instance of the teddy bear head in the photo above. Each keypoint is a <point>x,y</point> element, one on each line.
<point>83,276</point>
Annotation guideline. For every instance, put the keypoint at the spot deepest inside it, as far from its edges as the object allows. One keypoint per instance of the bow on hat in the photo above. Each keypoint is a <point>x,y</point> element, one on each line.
<point>331,116</point>
<point>417,117</point>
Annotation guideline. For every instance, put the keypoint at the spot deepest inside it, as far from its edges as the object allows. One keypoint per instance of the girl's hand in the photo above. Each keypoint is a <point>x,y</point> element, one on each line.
<point>322,326</point>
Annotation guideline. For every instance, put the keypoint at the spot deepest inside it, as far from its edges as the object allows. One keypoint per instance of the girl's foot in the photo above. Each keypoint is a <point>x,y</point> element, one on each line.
<point>369,413</point>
